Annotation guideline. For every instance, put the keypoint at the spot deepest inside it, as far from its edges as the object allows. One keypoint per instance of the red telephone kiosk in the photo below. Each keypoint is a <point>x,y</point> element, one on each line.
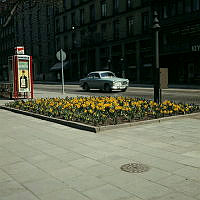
<point>20,74</point>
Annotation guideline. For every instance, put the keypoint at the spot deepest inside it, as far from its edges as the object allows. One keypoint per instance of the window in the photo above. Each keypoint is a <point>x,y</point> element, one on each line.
<point>129,4</point>
<point>48,11</point>
<point>30,18</point>
<point>92,13</point>
<point>188,6</point>
<point>65,43</point>
<point>73,39</point>
<point>64,23</point>
<point>115,6</point>
<point>81,1</point>
<point>73,20</point>
<point>173,8</point>
<point>38,15</point>
<point>103,30</point>
<point>48,28</point>
<point>64,4</point>
<point>58,44</point>
<point>39,33</point>
<point>103,9</point>
<point>145,22</point>
<point>49,48</point>
<point>81,16</point>
<point>180,7</point>
<point>130,25</point>
<point>40,49</point>
<point>57,25</point>
<point>195,5</point>
<point>96,75</point>
<point>165,14</point>
<point>73,3</point>
<point>17,27</point>
<point>23,25</point>
<point>107,74</point>
<point>116,29</point>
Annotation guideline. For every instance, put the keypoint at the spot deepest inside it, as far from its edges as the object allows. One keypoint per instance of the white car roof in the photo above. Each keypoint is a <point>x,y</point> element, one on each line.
<point>100,72</point>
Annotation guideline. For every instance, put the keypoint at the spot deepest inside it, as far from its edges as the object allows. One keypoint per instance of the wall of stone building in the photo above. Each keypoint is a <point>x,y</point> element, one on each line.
<point>35,38</point>
<point>101,61</point>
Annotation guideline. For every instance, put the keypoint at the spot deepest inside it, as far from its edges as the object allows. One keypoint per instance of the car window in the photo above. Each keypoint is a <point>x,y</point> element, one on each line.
<point>90,75</point>
<point>93,75</point>
<point>96,75</point>
<point>107,75</point>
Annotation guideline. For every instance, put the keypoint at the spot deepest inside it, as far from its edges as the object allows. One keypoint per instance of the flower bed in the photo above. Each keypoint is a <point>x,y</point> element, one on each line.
<point>101,111</point>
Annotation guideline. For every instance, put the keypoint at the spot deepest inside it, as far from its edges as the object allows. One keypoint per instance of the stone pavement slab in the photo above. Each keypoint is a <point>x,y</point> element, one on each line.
<point>107,192</point>
<point>42,160</point>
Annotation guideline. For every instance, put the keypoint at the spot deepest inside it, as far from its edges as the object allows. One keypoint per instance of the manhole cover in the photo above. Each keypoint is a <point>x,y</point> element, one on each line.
<point>134,168</point>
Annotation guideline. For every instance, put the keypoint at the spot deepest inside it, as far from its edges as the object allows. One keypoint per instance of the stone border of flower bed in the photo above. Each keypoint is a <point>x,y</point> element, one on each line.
<point>90,128</point>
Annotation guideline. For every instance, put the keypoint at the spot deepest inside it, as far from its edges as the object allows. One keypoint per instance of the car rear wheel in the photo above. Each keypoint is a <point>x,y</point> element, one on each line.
<point>107,88</point>
<point>86,87</point>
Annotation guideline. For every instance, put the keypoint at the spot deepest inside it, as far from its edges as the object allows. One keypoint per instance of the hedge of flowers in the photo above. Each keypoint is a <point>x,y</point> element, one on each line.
<point>100,111</point>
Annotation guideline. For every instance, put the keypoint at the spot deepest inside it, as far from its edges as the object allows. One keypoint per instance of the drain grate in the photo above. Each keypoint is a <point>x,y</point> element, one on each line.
<point>134,168</point>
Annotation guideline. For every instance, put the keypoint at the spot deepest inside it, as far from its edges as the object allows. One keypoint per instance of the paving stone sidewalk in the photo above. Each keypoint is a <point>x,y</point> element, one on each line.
<point>46,161</point>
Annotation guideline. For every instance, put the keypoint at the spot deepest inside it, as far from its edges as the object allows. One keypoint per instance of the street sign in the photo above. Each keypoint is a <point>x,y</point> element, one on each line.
<point>61,55</point>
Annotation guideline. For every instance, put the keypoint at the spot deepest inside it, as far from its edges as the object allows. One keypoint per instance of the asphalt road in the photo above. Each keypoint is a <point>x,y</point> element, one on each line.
<point>174,94</point>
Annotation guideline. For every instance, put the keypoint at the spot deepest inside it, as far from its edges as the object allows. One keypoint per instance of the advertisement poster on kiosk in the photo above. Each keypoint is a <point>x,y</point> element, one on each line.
<point>23,74</point>
<point>20,79</point>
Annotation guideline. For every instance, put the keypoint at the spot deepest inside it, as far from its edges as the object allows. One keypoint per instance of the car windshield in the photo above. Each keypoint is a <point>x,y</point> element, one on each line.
<point>107,74</point>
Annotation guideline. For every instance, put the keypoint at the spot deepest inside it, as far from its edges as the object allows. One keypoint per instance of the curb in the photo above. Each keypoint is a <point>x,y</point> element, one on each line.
<point>52,119</point>
<point>94,129</point>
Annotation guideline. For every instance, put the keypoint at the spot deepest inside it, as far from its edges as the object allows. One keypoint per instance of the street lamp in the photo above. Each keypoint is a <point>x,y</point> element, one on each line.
<point>157,90</point>
<point>109,64</point>
<point>122,63</point>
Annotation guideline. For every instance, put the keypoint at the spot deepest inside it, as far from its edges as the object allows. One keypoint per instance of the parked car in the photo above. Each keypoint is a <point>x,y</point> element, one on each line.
<point>104,80</point>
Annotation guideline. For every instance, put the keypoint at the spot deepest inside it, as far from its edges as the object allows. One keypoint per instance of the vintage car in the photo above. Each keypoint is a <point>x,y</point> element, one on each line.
<point>104,80</point>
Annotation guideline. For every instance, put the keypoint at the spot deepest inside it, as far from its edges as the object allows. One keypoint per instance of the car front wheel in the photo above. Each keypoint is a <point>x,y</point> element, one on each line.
<point>86,87</point>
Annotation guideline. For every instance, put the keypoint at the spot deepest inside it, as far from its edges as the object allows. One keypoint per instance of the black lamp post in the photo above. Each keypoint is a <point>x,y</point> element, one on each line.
<point>109,64</point>
<point>123,70</point>
<point>157,90</point>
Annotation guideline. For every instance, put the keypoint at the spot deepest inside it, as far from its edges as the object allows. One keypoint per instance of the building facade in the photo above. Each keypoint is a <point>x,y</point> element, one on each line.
<point>32,26</point>
<point>111,35</point>
<point>117,35</point>
<point>6,39</point>
<point>106,35</point>
<point>180,39</point>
